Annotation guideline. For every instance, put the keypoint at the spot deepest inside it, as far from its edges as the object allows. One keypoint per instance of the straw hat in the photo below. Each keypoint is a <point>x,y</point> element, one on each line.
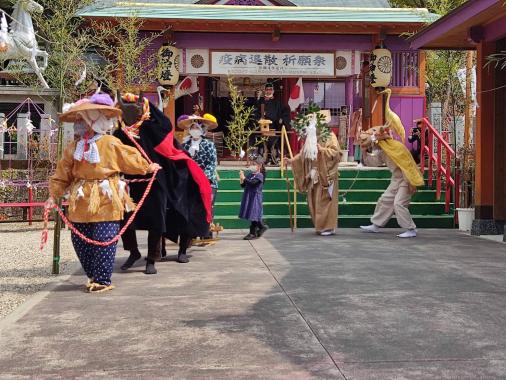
<point>207,120</point>
<point>98,102</point>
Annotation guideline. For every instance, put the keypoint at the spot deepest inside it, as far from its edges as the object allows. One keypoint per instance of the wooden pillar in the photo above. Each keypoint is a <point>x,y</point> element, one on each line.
<point>500,140</point>
<point>376,101</point>
<point>422,72</point>
<point>484,156</point>
<point>170,109</point>
<point>204,103</point>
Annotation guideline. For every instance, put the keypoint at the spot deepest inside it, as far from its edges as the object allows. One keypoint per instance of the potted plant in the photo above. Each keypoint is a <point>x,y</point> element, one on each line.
<point>466,166</point>
<point>239,130</point>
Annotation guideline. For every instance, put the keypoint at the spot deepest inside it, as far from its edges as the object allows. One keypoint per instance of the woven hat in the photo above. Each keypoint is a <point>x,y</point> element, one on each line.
<point>207,120</point>
<point>98,102</point>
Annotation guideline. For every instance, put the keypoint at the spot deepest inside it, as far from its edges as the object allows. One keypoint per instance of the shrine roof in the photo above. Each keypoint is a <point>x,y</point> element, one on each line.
<point>464,27</point>
<point>160,9</point>
<point>342,3</point>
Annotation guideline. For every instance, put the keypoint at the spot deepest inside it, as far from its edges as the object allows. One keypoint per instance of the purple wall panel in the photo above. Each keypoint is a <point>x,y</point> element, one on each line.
<point>408,108</point>
<point>264,41</point>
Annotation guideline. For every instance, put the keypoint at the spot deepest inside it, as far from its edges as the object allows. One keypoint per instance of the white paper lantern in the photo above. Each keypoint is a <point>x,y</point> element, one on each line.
<point>381,67</point>
<point>168,60</point>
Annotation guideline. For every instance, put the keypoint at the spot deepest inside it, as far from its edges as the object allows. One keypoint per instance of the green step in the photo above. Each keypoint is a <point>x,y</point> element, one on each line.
<point>350,208</point>
<point>361,188</point>
<point>280,184</point>
<point>277,221</point>
<point>354,195</point>
<point>343,173</point>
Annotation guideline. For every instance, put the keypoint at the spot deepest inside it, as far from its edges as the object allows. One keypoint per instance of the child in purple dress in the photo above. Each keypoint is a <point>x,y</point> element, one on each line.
<point>252,200</point>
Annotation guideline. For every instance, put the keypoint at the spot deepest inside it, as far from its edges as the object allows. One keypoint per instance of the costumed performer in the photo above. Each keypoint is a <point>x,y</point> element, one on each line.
<point>315,170</point>
<point>201,150</point>
<point>89,170</point>
<point>406,177</point>
<point>179,203</point>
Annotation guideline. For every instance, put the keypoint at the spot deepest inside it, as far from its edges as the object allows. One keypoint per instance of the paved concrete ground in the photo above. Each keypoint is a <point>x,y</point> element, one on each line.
<point>286,306</point>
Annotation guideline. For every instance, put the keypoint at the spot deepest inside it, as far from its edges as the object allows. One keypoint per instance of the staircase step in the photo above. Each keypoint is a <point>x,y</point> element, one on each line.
<point>348,221</point>
<point>350,208</point>
<point>361,188</point>
<point>381,173</point>
<point>353,195</point>
<point>344,183</point>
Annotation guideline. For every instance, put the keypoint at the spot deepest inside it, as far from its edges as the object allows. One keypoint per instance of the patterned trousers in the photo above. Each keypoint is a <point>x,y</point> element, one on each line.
<point>97,262</point>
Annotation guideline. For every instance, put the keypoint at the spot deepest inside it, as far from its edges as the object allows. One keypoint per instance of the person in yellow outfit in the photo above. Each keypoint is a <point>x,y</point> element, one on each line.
<point>406,177</point>
<point>89,171</point>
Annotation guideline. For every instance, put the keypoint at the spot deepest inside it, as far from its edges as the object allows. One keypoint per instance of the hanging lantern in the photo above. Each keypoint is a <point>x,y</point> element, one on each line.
<point>381,67</point>
<point>168,61</point>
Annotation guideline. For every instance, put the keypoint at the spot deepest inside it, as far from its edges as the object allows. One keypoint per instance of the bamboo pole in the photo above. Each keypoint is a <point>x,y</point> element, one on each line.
<point>58,220</point>
<point>293,216</point>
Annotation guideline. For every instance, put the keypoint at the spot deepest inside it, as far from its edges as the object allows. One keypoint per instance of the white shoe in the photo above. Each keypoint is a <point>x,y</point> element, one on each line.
<point>408,234</point>
<point>327,233</point>
<point>371,228</point>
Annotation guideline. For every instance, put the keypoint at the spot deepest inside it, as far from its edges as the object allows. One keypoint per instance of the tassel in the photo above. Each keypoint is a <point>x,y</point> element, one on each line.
<point>94,202</point>
<point>121,188</point>
<point>116,200</point>
<point>106,188</point>
<point>74,195</point>
<point>129,203</point>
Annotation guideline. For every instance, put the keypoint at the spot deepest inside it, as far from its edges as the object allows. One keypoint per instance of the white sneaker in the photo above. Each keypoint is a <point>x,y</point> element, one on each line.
<point>408,234</point>
<point>371,228</point>
<point>327,233</point>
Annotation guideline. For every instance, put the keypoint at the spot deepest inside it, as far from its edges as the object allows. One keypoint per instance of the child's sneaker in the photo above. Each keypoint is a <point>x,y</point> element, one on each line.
<point>262,230</point>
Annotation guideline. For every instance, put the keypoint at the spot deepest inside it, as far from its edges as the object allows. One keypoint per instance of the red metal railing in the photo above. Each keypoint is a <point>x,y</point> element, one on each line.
<point>435,163</point>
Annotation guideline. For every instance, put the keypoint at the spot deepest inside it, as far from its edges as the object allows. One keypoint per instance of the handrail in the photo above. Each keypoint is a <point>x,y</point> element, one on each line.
<point>286,140</point>
<point>435,158</point>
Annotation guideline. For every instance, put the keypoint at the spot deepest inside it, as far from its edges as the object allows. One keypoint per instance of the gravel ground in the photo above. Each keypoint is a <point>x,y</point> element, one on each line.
<point>24,269</point>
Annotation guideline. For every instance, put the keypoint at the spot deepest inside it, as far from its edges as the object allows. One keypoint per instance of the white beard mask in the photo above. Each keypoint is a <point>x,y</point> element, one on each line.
<point>311,144</point>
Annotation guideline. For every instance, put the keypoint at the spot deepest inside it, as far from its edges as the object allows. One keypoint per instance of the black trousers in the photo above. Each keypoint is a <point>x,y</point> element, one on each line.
<point>129,239</point>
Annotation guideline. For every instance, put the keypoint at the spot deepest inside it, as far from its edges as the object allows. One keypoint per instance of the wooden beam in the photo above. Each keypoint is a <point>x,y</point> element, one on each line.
<point>422,72</point>
<point>484,156</point>
<point>276,34</point>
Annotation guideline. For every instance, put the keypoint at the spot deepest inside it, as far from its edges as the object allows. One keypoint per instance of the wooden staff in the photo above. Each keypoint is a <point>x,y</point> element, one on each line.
<point>289,203</point>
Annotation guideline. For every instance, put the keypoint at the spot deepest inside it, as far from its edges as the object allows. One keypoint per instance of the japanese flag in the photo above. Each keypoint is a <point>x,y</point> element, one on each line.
<point>296,95</point>
<point>187,86</point>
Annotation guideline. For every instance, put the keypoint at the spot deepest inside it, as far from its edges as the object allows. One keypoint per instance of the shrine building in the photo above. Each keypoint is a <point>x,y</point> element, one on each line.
<point>255,41</point>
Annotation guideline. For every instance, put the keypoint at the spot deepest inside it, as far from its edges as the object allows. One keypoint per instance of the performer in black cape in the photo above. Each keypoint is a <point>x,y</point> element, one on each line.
<point>179,203</point>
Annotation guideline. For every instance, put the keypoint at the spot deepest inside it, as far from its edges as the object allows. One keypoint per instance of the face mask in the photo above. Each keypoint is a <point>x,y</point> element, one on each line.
<point>103,125</point>
<point>196,133</point>
<point>253,168</point>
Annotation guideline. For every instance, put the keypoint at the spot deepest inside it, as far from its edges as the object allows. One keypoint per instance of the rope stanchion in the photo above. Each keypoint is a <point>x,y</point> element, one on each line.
<point>44,235</point>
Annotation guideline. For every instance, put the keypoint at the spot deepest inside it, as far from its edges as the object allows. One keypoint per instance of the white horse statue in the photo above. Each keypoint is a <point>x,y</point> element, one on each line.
<point>20,42</point>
